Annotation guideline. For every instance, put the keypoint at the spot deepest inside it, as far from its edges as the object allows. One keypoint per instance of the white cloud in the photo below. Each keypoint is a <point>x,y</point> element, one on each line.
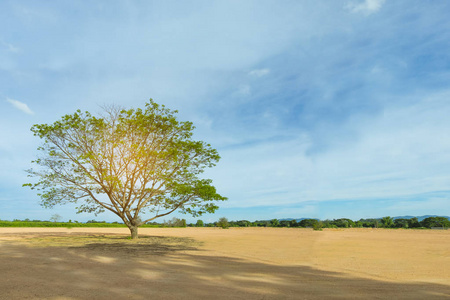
<point>367,6</point>
<point>402,152</point>
<point>259,72</point>
<point>20,106</point>
<point>221,76</point>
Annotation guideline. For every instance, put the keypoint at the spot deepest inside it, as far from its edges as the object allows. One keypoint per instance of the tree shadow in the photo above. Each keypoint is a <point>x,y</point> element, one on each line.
<point>116,244</point>
<point>144,246</point>
<point>174,268</point>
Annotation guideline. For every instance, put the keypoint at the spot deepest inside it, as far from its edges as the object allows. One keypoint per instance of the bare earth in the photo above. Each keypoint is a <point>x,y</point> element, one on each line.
<point>212,263</point>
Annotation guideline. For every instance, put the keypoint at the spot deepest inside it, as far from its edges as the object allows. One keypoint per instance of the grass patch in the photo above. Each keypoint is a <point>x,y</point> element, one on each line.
<point>65,224</point>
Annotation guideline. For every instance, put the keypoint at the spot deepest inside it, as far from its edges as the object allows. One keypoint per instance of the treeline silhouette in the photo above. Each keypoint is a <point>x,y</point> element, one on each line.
<point>69,224</point>
<point>385,222</point>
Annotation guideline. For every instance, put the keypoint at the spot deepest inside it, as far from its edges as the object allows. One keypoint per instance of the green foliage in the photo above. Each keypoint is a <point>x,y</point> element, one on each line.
<point>308,223</point>
<point>261,223</point>
<point>345,223</point>
<point>131,162</point>
<point>293,223</point>
<point>373,223</point>
<point>37,223</point>
<point>95,221</point>
<point>435,222</point>
<point>285,223</point>
<point>388,222</point>
<point>318,226</point>
<point>413,223</point>
<point>175,222</point>
<point>223,222</point>
<point>401,223</point>
<point>274,223</point>
<point>240,223</point>
<point>431,222</point>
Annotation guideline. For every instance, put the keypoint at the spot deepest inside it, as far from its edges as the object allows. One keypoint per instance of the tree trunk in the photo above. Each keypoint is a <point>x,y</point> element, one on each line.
<point>134,232</point>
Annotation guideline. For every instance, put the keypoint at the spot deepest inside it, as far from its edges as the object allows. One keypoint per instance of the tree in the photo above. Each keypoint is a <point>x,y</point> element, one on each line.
<point>343,222</point>
<point>388,222</point>
<point>308,223</point>
<point>223,222</point>
<point>131,162</point>
<point>274,223</point>
<point>243,223</point>
<point>401,223</point>
<point>285,223</point>
<point>55,218</point>
<point>199,223</point>
<point>435,222</point>
<point>293,223</point>
<point>413,223</point>
<point>318,226</point>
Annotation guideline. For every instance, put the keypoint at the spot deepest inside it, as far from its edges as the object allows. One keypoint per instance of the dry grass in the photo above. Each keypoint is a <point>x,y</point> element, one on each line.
<point>205,263</point>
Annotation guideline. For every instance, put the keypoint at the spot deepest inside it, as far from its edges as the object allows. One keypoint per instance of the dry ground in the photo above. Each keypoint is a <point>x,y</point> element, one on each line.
<point>212,263</point>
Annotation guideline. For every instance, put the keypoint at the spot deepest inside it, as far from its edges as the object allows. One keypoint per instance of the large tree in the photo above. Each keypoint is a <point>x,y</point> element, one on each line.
<point>140,164</point>
<point>435,222</point>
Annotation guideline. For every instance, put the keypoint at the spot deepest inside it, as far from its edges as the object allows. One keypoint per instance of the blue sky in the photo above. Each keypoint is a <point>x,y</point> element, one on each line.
<point>319,109</point>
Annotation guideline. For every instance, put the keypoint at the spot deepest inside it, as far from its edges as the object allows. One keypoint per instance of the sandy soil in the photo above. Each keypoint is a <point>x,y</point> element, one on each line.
<point>212,263</point>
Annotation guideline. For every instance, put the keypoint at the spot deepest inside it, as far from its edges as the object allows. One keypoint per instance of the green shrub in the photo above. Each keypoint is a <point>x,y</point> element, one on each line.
<point>223,222</point>
<point>318,226</point>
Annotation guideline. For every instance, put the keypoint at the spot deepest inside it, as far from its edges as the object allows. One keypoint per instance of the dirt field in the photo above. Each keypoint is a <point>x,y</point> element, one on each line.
<point>212,263</point>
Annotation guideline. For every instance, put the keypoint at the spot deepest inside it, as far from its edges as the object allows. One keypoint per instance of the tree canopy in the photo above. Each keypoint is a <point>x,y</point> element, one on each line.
<point>132,162</point>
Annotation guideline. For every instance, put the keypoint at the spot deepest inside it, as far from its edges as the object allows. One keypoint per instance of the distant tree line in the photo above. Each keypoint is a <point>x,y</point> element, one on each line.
<point>54,222</point>
<point>385,222</point>
<point>69,224</point>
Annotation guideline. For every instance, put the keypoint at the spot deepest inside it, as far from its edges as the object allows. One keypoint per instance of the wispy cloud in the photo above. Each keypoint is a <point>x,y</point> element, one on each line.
<point>21,106</point>
<point>10,47</point>
<point>243,90</point>
<point>259,72</point>
<point>307,112</point>
<point>367,6</point>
